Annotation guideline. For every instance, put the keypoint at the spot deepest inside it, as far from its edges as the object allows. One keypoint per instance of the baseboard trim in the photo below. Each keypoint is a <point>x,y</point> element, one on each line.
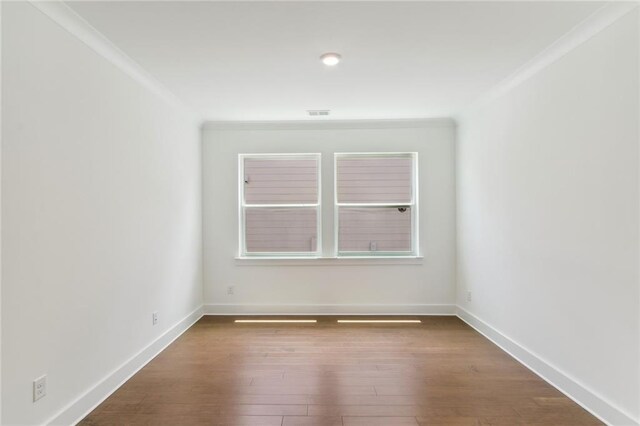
<point>342,309</point>
<point>572,388</point>
<point>78,409</point>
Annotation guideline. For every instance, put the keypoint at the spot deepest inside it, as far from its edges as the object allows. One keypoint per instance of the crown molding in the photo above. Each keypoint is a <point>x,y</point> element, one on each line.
<point>330,124</point>
<point>77,26</point>
<point>586,29</point>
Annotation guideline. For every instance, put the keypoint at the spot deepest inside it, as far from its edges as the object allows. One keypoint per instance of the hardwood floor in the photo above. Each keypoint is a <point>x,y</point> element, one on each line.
<point>439,372</point>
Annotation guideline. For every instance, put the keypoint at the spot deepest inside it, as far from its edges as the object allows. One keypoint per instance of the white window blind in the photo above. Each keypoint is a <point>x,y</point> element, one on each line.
<point>279,203</point>
<point>376,203</point>
<point>376,179</point>
<point>281,180</point>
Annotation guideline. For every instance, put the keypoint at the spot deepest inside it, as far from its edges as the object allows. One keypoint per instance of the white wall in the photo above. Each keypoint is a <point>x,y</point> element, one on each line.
<point>548,216</point>
<point>334,285</point>
<point>100,212</point>
<point>0,214</point>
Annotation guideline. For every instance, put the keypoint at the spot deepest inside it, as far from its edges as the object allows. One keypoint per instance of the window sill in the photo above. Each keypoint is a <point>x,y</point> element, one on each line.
<point>329,261</point>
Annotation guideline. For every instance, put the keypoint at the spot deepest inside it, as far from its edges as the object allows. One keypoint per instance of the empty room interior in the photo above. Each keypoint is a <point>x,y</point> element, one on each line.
<point>336,213</point>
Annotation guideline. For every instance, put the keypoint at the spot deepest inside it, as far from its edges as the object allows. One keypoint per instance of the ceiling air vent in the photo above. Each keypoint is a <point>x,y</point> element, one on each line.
<point>318,112</point>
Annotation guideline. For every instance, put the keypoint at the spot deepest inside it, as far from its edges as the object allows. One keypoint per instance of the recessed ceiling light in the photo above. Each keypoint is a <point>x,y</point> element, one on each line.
<point>330,59</point>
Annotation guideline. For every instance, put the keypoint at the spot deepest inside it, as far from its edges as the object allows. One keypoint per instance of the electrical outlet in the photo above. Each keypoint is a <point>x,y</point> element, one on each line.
<point>39,388</point>
<point>373,246</point>
<point>468,296</point>
<point>230,290</point>
<point>154,318</point>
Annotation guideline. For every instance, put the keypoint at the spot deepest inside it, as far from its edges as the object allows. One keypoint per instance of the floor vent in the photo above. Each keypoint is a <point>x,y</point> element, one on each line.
<point>275,321</point>
<point>380,321</point>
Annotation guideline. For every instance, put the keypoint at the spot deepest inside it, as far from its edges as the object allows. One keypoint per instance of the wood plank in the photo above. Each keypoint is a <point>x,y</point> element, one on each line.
<point>439,372</point>
<point>379,421</point>
<point>312,421</point>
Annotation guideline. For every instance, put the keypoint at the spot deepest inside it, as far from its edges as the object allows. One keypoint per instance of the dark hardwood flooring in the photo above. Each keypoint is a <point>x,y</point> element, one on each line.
<point>440,372</point>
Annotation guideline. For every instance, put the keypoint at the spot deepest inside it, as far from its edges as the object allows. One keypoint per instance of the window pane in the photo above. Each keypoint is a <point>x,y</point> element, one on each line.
<point>371,229</point>
<point>377,179</point>
<point>278,230</point>
<point>281,180</point>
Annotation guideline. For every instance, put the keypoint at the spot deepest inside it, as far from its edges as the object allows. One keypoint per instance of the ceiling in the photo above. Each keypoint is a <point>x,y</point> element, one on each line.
<point>260,60</point>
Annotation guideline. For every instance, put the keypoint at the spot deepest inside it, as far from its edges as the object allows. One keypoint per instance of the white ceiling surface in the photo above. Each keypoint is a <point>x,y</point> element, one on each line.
<point>260,60</point>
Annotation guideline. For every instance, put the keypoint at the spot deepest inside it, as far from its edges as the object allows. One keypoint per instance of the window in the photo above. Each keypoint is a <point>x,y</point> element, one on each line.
<point>376,208</point>
<point>279,205</point>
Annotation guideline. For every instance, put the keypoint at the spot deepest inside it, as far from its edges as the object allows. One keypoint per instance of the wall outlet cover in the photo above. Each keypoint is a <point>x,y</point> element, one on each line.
<point>39,388</point>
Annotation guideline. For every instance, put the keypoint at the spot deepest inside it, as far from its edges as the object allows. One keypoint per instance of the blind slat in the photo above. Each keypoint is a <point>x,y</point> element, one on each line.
<point>377,179</point>
<point>280,181</point>
<point>280,230</point>
<point>386,228</point>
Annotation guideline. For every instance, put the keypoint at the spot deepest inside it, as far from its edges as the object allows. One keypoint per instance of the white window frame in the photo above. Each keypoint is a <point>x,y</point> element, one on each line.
<point>242,206</point>
<point>413,205</point>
